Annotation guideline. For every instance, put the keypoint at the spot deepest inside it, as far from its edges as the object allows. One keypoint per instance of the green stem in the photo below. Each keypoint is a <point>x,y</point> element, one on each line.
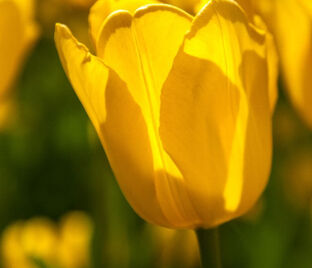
<point>209,248</point>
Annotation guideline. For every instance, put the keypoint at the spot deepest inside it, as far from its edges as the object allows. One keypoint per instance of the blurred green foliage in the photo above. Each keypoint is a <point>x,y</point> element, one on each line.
<point>51,162</point>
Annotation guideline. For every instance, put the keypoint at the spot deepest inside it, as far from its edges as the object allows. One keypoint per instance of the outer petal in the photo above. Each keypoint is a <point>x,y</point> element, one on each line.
<point>102,8</point>
<point>141,49</point>
<point>118,121</point>
<point>87,74</point>
<point>218,128</point>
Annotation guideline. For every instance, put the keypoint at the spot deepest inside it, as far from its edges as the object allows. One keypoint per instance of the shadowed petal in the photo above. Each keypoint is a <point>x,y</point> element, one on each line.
<point>141,49</point>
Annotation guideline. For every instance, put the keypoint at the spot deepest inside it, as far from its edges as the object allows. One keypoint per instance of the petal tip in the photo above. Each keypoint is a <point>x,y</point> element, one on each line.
<point>62,30</point>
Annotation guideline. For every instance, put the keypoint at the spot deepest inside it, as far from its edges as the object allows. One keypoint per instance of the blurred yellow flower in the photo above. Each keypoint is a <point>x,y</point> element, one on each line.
<point>75,238</point>
<point>18,31</point>
<point>43,230</point>
<point>40,239</point>
<point>21,241</point>
<point>182,108</point>
<point>290,21</point>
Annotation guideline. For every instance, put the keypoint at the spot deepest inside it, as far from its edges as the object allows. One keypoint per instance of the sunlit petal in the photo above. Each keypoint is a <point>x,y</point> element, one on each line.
<point>217,129</point>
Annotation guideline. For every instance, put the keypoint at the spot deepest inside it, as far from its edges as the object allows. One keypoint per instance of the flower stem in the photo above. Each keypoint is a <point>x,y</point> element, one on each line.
<point>209,248</point>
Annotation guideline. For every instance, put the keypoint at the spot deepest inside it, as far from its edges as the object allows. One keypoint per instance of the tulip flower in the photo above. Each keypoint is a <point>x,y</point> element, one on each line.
<point>18,31</point>
<point>182,108</point>
<point>294,45</point>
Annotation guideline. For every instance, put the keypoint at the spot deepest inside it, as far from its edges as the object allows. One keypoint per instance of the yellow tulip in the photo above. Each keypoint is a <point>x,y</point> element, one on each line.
<point>182,108</point>
<point>18,32</point>
<point>290,21</point>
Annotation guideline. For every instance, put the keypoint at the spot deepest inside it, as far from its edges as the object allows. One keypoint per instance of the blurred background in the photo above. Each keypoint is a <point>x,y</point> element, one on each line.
<point>60,206</point>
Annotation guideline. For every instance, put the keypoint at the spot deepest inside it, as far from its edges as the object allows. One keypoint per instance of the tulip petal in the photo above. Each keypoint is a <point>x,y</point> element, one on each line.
<point>141,49</point>
<point>217,129</point>
<point>102,8</point>
<point>117,120</point>
<point>83,70</point>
